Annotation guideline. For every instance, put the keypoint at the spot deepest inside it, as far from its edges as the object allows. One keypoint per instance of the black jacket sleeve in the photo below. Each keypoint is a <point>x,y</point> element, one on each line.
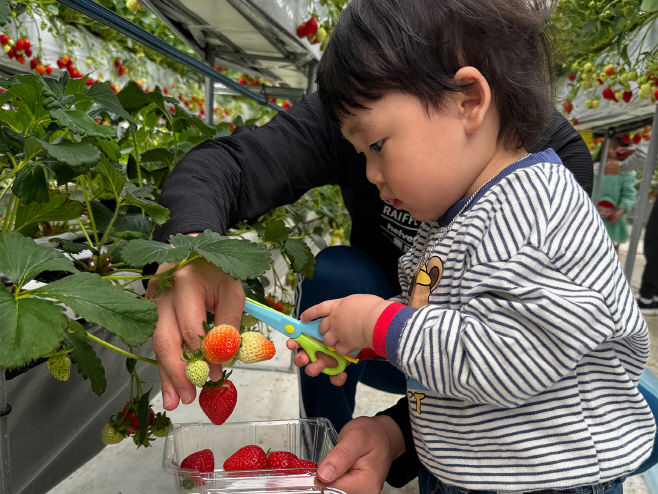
<point>570,147</point>
<point>238,177</point>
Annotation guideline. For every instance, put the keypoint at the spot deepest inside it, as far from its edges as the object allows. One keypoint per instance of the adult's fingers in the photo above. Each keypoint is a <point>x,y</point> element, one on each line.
<point>167,343</point>
<point>229,301</point>
<point>190,303</point>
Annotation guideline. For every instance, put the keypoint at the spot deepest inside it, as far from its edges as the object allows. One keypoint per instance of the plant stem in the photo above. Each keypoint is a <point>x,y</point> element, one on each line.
<point>84,230</point>
<point>109,226</point>
<point>91,215</point>
<point>119,350</point>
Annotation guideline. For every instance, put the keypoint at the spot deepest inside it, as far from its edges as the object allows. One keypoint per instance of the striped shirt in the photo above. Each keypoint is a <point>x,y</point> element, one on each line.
<point>523,369</point>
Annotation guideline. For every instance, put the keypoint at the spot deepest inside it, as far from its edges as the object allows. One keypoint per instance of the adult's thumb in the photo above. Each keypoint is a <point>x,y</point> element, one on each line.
<point>340,459</point>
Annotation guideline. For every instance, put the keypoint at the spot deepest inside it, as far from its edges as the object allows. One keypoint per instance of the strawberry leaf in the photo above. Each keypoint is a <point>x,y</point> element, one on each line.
<point>103,95</point>
<point>135,197</point>
<point>102,302</point>
<point>58,208</point>
<point>20,342</point>
<point>133,98</point>
<point>107,169</point>
<point>301,257</point>
<point>276,232</point>
<point>82,124</point>
<point>5,12</point>
<point>87,362</point>
<point>74,154</point>
<point>21,259</point>
<point>143,408</point>
<point>242,259</point>
<point>30,184</point>
<point>139,253</point>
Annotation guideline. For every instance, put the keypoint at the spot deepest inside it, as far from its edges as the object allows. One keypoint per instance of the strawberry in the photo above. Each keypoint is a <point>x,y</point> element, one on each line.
<point>568,106</point>
<point>33,63</point>
<point>28,44</point>
<point>41,69</point>
<point>89,82</point>
<point>305,466</point>
<point>280,459</point>
<point>197,371</point>
<point>28,52</point>
<point>311,26</point>
<point>301,30</point>
<point>575,121</point>
<point>218,398</point>
<point>60,367</point>
<point>255,348</point>
<point>203,461</point>
<point>608,93</point>
<point>4,39</point>
<point>117,64</point>
<point>11,53</point>
<point>627,96</point>
<point>248,458</point>
<point>49,69</point>
<point>61,64</point>
<point>160,425</point>
<point>242,81</point>
<point>572,77</point>
<point>130,414</point>
<point>232,127</point>
<point>637,138</point>
<point>110,435</point>
<point>221,343</point>
<point>20,45</point>
<point>165,91</point>
<point>609,70</point>
<point>286,105</point>
<point>20,59</point>
<point>122,70</point>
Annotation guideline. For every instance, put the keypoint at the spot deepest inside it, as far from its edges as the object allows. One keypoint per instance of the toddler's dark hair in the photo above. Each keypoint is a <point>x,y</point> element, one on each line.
<point>417,46</point>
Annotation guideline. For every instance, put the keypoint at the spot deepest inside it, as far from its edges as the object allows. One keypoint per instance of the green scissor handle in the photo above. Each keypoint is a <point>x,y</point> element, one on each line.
<point>311,347</point>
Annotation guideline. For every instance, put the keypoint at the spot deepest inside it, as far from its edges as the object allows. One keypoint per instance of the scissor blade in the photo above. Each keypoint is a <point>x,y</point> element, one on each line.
<point>269,316</point>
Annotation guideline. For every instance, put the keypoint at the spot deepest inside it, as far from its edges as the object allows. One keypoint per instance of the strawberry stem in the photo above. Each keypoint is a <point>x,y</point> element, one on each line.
<point>119,350</point>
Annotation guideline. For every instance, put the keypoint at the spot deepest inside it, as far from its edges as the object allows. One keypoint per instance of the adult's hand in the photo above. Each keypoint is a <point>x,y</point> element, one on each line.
<point>624,152</point>
<point>360,462</point>
<point>199,286</point>
<point>612,168</point>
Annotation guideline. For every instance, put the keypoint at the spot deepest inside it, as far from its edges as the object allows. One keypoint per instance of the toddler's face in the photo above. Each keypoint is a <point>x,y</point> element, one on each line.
<point>418,161</point>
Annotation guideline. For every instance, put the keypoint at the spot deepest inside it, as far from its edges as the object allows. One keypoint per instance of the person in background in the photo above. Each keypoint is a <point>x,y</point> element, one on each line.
<point>647,296</point>
<point>616,196</point>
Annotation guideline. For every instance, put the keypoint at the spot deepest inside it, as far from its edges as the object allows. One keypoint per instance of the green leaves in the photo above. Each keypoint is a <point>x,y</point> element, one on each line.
<point>240,258</point>
<point>104,96</point>
<point>21,259</point>
<point>136,196</point>
<point>58,208</point>
<point>649,5</point>
<point>88,364</point>
<point>300,256</point>
<point>133,98</point>
<point>30,184</point>
<point>29,329</point>
<point>98,300</point>
<point>114,177</point>
<point>5,12</point>
<point>75,154</point>
<point>82,124</point>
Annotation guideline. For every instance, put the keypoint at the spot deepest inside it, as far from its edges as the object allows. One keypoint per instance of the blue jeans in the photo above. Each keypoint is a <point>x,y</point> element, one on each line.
<point>429,484</point>
<point>341,271</point>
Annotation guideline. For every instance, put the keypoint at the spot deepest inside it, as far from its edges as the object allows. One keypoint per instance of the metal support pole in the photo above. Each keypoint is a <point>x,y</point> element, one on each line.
<point>119,24</point>
<point>603,160</point>
<point>642,201</point>
<point>312,74</point>
<point>5,459</point>
<point>210,91</point>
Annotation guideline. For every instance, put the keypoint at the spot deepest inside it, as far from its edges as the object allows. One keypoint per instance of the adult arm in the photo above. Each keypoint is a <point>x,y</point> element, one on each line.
<point>242,176</point>
<point>634,162</point>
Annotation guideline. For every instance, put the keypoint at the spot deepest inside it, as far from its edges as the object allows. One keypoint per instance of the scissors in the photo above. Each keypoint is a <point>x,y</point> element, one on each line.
<point>301,332</point>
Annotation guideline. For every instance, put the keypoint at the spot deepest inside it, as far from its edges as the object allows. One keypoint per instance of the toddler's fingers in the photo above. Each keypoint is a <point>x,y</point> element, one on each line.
<point>301,359</point>
<point>292,344</point>
<point>330,339</point>
<point>338,380</point>
<point>317,311</point>
<point>314,368</point>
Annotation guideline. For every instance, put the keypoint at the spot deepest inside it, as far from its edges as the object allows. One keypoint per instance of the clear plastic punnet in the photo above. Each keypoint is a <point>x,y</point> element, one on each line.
<point>309,439</point>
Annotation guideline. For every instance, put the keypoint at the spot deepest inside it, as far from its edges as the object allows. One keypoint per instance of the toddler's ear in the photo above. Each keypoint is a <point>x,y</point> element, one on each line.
<point>473,102</point>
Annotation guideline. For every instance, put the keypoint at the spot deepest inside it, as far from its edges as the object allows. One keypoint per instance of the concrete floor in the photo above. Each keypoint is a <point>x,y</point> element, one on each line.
<point>263,395</point>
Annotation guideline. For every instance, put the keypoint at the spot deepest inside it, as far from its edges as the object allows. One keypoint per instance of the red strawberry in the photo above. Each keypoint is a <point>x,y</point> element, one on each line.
<point>301,30</point>
<point>20,45</point>
<point>280,459</point>
<point>28,52</point>
<point>28,44</point>
<point>575,121</point>
<point>221,343</point>
<point>286,105</point>
<point>122,70</point>
<point>626,139</point>
<point>41,69</point>
<point>637,139</point>
<point>203,461</point>
<point>89,82</point>
<point>608,93</point>
<point>247,458</point>
<point>130,412</point>
<point>117,64</point>
<point>306,465</point>
<point>311,26</point>
<point>572,77</point>
<point>232,127</point>
<point>49,70</point>
<point>20,59</point>
<point>242,81</point>
<point>61,64</point>
<point>165,91</point>
<point>627,96</point>
<point>218,398</point>
<point>33,63</point>
<point>568,106</point>
<point>11,53</point>
<point>4,39</point>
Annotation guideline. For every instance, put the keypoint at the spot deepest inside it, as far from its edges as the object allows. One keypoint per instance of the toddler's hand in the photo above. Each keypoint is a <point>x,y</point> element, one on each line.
<point>349,322</point>
<point>313,369</point>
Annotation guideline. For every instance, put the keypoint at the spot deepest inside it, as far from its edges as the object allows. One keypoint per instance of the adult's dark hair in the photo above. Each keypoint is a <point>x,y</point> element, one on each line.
<point>417,46</point>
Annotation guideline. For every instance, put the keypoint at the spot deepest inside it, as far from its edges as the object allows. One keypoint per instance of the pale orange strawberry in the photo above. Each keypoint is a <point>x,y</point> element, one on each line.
<point>255,348</point>
<point>221,343</point>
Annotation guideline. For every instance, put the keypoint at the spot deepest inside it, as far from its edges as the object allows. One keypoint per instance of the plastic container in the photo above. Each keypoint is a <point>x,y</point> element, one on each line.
<point>309,439</point>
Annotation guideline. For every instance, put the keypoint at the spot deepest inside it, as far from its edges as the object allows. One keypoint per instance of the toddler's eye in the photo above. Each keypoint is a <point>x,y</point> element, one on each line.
<point>377,147</point>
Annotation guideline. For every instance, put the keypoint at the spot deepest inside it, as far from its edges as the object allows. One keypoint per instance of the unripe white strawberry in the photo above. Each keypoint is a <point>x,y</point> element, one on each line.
<point>60,367</point>
<point>110,435</point>
<point>197,372</point>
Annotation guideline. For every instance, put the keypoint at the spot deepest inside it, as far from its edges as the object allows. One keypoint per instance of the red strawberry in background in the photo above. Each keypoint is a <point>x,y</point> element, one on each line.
<point>627,96</point>
<point>49,70</point>
<point>122,70</point>
<point>33,63</point>
<point>311,26</point>
<point>280,459</point>
<point>626,139</point>
<point>4,39</point>
<point>301,30</point>
<point>117,64</point>
<point>637,139</point>
<point>572,77</point>
<point>218,398</point>
<point>568,106</point>
<point>286,105</point>
<point>248,458</point>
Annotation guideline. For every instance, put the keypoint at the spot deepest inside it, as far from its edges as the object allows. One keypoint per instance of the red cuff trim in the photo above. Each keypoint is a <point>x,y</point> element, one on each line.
<point>366,354</point>
<point>381,328</point>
